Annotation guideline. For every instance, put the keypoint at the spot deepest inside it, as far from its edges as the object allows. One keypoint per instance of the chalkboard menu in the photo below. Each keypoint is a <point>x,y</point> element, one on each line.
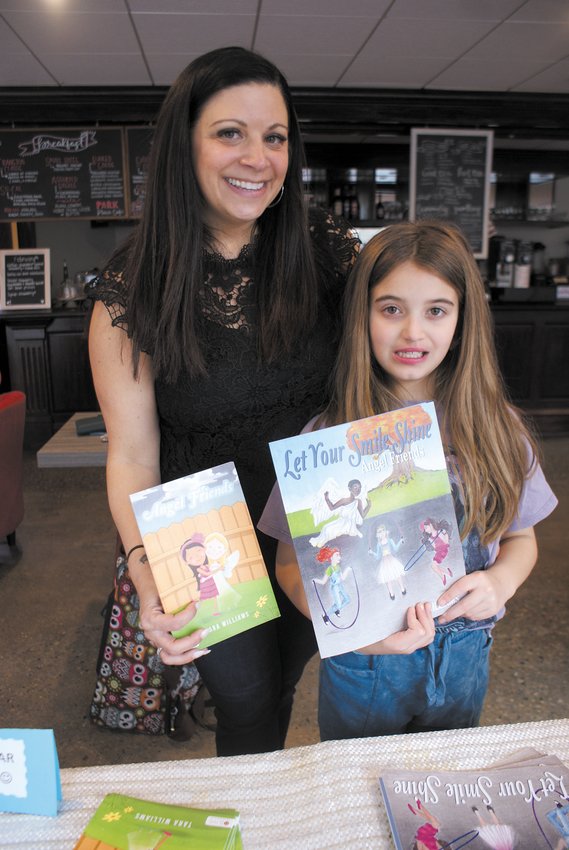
<point>450,180</point>
<point>62,173</point>
<point>25,279</point>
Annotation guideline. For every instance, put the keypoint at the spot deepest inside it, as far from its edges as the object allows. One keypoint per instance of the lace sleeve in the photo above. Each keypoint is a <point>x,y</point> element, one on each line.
<point>336,242</point>
<point>110,288</point>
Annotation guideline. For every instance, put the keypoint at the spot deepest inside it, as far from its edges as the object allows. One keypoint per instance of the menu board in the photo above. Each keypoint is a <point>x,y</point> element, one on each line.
<point>450,180</point>
<point>62,173</point>
<point>138,144</point>
<point>25,279</point>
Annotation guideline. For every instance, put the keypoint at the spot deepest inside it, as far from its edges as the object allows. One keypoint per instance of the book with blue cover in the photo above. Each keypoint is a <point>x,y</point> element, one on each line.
<point>371,516</point>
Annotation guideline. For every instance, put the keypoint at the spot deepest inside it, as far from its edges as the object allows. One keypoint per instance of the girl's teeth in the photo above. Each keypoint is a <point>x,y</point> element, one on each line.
<point>410,355</point>
<point>244,184</point>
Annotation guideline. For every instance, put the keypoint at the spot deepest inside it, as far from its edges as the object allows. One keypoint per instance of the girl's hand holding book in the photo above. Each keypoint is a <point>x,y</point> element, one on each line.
<point>485,592</point>
<point>420,632</point>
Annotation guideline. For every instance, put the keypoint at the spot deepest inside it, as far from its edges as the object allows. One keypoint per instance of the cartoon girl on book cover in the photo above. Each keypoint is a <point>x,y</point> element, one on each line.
<point>193,553</point>
<point>498,836</point>
<point>222,562</point>
<point>390,569</point>
<point>335,577</point>
<point>351,511</point>
<point>436,538</point>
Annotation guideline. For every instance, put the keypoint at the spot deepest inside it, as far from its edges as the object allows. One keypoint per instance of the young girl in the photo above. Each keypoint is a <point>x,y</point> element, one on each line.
<point>417,327</point>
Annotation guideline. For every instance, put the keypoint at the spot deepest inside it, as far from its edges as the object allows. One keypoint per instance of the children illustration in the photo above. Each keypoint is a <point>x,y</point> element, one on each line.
<point>335,577</point>
<point>390,570</point>
<point>426,836</point>
<point>351,511</point>
<point>417,327</point>
<point>436,538</point>
<point>498,836</point>
<point>193,553</point>
<point>222,562</point>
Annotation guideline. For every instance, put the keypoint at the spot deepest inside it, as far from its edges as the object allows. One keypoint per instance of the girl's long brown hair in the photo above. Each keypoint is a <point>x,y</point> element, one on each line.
<point>493,446</point>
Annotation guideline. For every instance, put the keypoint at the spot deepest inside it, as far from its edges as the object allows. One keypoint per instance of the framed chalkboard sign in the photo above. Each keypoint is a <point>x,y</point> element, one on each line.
<point>62,173</point>
<point>25,282</point>
<point>450,180</point>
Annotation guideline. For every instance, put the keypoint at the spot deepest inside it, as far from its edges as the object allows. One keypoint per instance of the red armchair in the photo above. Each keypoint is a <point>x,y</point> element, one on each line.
<point>12,420</point>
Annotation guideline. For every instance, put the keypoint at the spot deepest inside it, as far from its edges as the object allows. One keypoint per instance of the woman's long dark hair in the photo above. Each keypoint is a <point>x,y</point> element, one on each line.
<point>164,267</point>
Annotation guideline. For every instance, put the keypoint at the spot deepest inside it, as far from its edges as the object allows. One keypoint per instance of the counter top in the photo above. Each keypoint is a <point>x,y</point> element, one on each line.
<point>320,796</point>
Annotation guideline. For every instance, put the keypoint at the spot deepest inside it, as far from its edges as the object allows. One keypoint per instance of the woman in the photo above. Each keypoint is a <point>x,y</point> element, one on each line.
<point>228,295</point>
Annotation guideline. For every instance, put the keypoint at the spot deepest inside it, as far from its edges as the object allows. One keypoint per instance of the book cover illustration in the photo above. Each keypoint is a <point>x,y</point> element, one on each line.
<point>372,520</point>
<point>517,806</point>
<point>127,823</point>
<point>202,547</point>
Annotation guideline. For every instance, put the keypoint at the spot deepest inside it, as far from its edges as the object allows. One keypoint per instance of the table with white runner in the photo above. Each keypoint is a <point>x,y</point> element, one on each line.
<point>319,797</point>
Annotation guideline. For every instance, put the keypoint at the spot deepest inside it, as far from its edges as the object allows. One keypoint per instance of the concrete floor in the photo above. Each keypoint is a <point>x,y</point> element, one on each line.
<point>51,623</point>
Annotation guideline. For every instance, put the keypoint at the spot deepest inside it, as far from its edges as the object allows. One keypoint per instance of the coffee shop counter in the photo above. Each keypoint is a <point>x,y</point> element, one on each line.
<point>320,796</point>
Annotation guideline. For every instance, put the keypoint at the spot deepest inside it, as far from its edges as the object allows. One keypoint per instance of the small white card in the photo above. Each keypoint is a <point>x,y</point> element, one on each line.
<point>29,772</point>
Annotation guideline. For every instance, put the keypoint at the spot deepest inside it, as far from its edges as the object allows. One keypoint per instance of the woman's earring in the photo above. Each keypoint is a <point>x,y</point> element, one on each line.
<point>278,199</point>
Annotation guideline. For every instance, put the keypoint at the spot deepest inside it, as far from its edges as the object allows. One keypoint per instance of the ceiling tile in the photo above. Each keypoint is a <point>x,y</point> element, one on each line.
<point>316,35</point>
<point>528,41</point>
<point>311,70</point>
<point>552,79</point>
<point>109,32</point>
<point>92,69</point>
<point>10,42</point>
<point>17,69</point>
<point>371,9</point>
<point>165,67</point>
<point>425,37</point>
<point>192,7</point>
<point>539,11</point>
<point>63,9</point>
<point>466,10</point>
<point>485,75</point>
<point>373,70</point>
<point>193,33</point>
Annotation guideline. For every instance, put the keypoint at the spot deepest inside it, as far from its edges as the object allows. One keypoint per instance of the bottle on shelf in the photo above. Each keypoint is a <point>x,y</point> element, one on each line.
<point>65,285</point>
<point>379,208</point>
<point>346,201</point>
<point>338,201</point>
<point>354,205</point>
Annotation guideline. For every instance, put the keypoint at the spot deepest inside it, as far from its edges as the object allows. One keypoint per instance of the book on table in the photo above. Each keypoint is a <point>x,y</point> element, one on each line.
<point>202,548</point>
<point>127,823</point>
<point>371,515</point>
<point>519,803</point>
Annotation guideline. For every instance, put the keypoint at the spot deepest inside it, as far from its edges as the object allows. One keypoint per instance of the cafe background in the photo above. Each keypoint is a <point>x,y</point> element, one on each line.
<point>363,78</point>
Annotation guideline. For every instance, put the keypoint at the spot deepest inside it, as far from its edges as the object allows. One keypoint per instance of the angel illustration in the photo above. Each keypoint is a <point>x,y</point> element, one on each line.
<point>350,511</point>
<point>499,836</point>
<point>222,562</point>
<point>390,570</point>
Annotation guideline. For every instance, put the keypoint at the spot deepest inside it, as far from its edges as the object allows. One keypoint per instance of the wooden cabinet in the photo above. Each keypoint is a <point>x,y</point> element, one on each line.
<point>47,358</point>
<point>533,348</point>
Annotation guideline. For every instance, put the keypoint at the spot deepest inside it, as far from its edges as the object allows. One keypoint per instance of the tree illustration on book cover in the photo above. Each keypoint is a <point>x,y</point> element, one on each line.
<point>202,548</point>
<point>372,520</point>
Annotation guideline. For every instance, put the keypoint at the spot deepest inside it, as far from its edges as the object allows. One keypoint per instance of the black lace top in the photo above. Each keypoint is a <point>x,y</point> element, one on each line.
<point>234,411</point>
